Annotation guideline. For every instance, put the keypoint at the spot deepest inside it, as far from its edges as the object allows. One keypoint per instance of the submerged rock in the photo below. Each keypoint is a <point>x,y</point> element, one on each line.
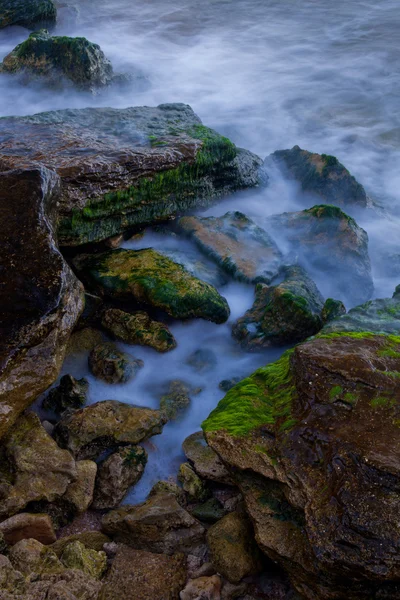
<point>330,245</point>
<point>150,278</point>
<point>138,328</point>
<point>307,439</point>
<point>89,431</point>
<point>27,13</point>
<point>323,175</point>
<point>202,360</point>
<point>113,366</point>
<point>36,317</point>
<point>54,58</point>
<point>237,244</point>
<point>174,403</point>
<point>281,314</point>
<point>129,167</point>
<point>70,393</point>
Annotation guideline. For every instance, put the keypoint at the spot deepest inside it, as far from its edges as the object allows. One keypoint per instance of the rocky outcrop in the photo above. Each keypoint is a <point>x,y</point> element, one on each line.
<point>56,59</point>
<point>307,438</point>
<point>40,298</point>
<point>113,366</point>
<point>138,328</point>
<point>332,248</point>
<point>127,167</point>
<point>236,244</point>
<point>322,175</point>
<point>70,393</point>
<point>27,13</point>
<point>152,279</point>
<point>282,314</point>
<point>89,431</point>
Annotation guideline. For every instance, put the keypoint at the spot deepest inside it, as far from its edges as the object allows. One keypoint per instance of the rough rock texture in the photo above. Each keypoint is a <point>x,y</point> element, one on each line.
<point>54,58</point>
<point>84,340</point>
<point>117,474</point>
<point>169,487</point>
<point>40,298</point>
<point>30,556</point>
<point>323,175</point>
<point>70,393</point>
<point>234,553</point>
<point>76,556</point>
<point>281,314</point>
<point>202,588</point>
<point>89,431</point>
<point>138,328</point>
<point>332,310</point>
<point>80,492</point>
<point>158,525</point>
<point>329,244</point>
<point>178,398</point>
<point>90,539</point>
<point>308,438</point>
<point>127,167</point>
<point>32,466</point>
<point>111,365</point>
<point>27,13</point>
<point>209,511</point>
<point>148,277</point>
<point>205,461</point>
<point>237,244</point>
<point>192,484</point>
<point>26,525</point>
<point>140,575</point>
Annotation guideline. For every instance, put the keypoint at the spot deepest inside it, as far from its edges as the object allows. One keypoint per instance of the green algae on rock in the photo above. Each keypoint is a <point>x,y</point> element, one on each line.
<point>53,57</point>
<point>76,556</point>
<point>152,279</point>
<point>27,13</point>
<point>323,175</point>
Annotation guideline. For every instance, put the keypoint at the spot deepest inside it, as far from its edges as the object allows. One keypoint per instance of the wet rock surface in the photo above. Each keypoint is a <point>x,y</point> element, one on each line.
<point>112,365</point>
<point>178,398</point>
<point>70,393</point>
<point>205,461</point>
<point>27,13</point>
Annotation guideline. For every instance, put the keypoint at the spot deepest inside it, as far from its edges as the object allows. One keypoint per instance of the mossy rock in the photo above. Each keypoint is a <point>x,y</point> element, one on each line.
<point>27,13</point>
<point>192,484</point>
<point>153,279</point>
<point>111,365</point>
<point>177,399</point>
<point>76,556</point>
<point>332,310</point>
<point>31,557</point>
<point>90,539</point>
<point>70,393</point>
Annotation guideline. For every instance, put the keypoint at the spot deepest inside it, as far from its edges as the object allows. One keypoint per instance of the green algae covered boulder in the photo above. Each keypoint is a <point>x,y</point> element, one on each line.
<point>76,556</point>
<point>323,175</point>
<point>27,13</point>
<point>76,59</point>
<point>147,277</point>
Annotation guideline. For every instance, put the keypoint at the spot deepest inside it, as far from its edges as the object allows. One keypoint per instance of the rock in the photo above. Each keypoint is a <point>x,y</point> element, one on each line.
<point>158,525</point>
<point>192,484</point>
<point>115,177</point>
<point>202,588</point>
<point>234,553</point>
<point>140,575</point>
<point>168,487</point>
<point>55,58</point>
<point>150,278</point>
<point>205,461</point>
<point>281,314</point>
<point>331,246</point>
<point>91,562</point>
<point>196,265</point>
<point>71,584</point>
<point>201,570</point>
<point>202,360</point>
<point>27,13</point>
<point>209,512</point>
<point>37,317</point>
<point>10,580</point>
<point>31,557</point>
<point>26,525</point>
<point>322,175</point>
<point>138,328</point>
<point>113,366</point>
<point>84,340</point>
<point>313,462</point>
<point>117,474</point>
<point>94,540</point>
<point>70,393</point>
<point>332,310</point>
<point>37,468</point>
<point>174,403</point>
<point>226,384</point>
<point>80,492</point>
<point>231,591</point>
<point>237,244</point>
<point>89,431</point>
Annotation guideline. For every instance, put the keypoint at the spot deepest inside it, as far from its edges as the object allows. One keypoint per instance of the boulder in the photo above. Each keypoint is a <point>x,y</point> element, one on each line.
<point>150,278</point>
<point>31,557</point>
<point>192,484</point>
<point>33,467</point>
<point>27,13</point>
<point>27,525</point>
<point>70,393</point>
<point>76,556</point>
<point>237,244</point>
<point>332,248</point>
<point>307,439</point>
<point>120,471</point>
<point>178,398</point>
<point>323,175</point>
<point>40,298</point>
<point>282,314</point>
<point>55,59</point>
<point>80,492</point>
<point>158,525</point>
<point>234,552</point>
<point>138,328</point>
<point>205,461</point>
<point>113,366</point>
<point>202,588</point>
<point>127,167</point>
<point>89,431</point>
<point>140,575</point>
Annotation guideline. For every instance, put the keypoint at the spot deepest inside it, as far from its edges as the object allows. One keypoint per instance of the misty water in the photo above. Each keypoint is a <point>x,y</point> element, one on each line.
<point>269,75</point>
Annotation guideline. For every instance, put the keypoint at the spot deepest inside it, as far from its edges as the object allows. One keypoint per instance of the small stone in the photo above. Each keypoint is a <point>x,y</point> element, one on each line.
<point>176,400</point>
<point>207,569</point>
<point>70,393</point>
<point>91,562</point>
<point>202,588</point>
<point>111,365</point>
<point>226,384</point>
<point>27,525</point>
<point>192,484</point>
<point>10,580</point>
<point>230,591</point>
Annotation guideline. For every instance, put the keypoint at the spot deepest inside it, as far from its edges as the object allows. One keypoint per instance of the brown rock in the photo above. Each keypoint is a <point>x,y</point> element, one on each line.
<point>31,557</point>
<point>80,492</point>
<point>206,461</point>
<point>202,588</point>
<point>11,581</point>
<point>84,340</point>
<point>26,525</point>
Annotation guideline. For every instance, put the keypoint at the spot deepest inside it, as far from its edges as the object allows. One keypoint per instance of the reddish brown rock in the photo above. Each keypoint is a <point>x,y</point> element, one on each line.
<point>27,525</point>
